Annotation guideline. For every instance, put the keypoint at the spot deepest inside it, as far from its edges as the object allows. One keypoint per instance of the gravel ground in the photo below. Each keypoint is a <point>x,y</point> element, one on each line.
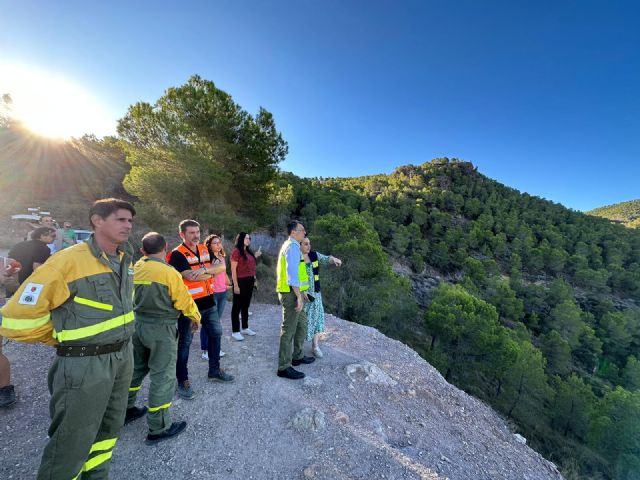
<point>370,409</point>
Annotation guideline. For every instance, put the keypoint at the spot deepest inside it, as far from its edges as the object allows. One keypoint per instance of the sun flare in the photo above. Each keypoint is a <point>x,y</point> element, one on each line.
<point>52,106</point>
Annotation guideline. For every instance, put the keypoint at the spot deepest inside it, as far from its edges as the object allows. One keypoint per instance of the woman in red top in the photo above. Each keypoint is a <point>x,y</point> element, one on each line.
<point>243,276</point>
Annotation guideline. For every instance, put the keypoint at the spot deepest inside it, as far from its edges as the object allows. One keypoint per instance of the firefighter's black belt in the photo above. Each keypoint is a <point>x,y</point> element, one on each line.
<point>87,350</point>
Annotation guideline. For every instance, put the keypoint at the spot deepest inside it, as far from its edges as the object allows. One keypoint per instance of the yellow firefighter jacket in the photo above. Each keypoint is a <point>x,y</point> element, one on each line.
<point>160,294</point>
<point>74,298</point>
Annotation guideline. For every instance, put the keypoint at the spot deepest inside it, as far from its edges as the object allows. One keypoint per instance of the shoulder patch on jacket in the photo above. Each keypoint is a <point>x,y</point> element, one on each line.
<point>31,294</point>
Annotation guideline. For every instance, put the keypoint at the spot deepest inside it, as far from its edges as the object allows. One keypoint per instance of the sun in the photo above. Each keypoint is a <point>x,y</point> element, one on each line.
<point>52,106</point>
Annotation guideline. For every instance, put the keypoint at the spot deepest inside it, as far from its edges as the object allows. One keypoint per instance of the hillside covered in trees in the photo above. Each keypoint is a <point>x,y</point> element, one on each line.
<point>627,213</point>
<point>533,307</point>
<point>537,313</point>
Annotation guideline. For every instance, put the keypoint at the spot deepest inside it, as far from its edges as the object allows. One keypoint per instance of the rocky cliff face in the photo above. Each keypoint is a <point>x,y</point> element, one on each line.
<point>423,284</point>
<point>370,409</point>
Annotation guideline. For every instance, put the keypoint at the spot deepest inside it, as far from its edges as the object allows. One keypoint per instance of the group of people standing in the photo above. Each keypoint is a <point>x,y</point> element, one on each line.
<point>43,240</point>
<point>84,300</point>
<point>243,273</point>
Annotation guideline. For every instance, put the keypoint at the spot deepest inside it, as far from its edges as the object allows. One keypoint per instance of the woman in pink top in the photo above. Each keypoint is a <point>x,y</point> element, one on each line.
<point>221,284</point>
<point>243,273</point>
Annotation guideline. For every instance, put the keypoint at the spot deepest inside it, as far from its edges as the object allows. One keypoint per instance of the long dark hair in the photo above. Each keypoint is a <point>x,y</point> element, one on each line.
<point>240,245</point>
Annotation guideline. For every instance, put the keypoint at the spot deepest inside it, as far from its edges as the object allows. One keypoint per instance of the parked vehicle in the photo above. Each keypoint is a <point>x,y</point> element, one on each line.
<point>31,218</point>
<point>82,235</point>
<point>23,223</point>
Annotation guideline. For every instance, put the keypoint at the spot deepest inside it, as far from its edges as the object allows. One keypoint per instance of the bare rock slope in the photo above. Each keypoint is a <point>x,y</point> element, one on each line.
<point>370,409</point>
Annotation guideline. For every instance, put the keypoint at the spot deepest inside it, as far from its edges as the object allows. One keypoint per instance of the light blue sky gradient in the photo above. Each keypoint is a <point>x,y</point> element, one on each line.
<point>542,96</point>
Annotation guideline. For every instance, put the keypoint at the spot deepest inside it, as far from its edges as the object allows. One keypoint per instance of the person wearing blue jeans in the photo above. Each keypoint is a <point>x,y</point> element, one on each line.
<point>192,260</point>
<point>221,302</point>
<point>221,284</point>
<point>210,324</point>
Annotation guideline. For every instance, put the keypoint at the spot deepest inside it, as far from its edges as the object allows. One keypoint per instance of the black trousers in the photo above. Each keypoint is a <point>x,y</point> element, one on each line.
<point>241,302</point>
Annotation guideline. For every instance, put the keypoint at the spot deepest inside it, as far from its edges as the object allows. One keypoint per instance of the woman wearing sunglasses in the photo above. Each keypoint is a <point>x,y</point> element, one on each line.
<point>221,284</point>
<point>314,308</point>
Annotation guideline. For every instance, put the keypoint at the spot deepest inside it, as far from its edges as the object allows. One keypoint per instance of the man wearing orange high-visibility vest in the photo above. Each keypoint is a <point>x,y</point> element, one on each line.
<point>192,260</point>
<point>81,301</point>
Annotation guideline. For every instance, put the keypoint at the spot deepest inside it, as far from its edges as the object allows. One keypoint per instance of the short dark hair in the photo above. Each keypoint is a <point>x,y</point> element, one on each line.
<point>153,242</point>
<point>106,206</point>
<point>187,223</point>
<point>41,231</point>
<point>292,225</point>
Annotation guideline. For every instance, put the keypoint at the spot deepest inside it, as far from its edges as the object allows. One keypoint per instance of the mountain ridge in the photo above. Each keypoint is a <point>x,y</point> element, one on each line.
<point>627,213</point>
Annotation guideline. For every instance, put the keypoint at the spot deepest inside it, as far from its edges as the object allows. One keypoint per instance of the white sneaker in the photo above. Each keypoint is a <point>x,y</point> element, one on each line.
<point>205,355</point>
<point>237,336</point>
<point>250,313</point>
<point>317,352</point>
<point>222,354</point>
<point>248,331</point>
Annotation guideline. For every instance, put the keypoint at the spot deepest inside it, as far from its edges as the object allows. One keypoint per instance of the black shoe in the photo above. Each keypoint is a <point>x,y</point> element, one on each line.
<point>7,395</point>
<point>134,413</point>
<point>302,360</point>
<point>176,428</point>
<point>221,377</point>
<point>290,373</point>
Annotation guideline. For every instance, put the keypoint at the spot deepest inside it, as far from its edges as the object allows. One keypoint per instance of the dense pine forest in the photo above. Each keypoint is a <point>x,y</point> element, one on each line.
<point>536,311</point>
<point>526,304</point>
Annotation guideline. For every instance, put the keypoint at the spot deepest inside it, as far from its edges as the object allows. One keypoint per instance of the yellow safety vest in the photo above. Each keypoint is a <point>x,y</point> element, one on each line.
<point>282,285</point>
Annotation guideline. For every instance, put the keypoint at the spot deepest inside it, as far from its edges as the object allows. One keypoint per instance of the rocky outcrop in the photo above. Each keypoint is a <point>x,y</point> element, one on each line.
<point>423,284</point>
<point>370,409</point>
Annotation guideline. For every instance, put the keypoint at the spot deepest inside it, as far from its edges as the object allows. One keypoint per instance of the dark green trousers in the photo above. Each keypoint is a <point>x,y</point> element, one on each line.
<point>87,408</point>
<point>155,350</point>
<point>292,332</point>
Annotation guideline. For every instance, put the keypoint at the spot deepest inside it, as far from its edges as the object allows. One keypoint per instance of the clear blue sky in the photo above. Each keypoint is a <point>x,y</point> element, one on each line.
<point>543,96</point>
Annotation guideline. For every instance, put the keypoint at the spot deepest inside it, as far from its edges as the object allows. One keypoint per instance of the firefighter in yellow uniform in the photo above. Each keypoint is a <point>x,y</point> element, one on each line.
<point>160,297</point>
<point>81,301</point>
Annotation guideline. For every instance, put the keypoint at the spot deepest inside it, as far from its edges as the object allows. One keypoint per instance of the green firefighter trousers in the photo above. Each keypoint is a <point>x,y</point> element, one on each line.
<point>292,332</point>
<point>155,351</point>
<point>87,408</point>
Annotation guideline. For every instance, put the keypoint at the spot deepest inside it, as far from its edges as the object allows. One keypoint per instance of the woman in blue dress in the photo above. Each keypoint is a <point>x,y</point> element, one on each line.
<point>314,309</point>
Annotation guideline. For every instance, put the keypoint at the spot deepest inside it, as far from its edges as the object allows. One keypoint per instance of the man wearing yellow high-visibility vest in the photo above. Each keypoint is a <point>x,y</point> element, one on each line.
<point>81,301</point>
<point>292,283</point>
<point>160,297</point>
